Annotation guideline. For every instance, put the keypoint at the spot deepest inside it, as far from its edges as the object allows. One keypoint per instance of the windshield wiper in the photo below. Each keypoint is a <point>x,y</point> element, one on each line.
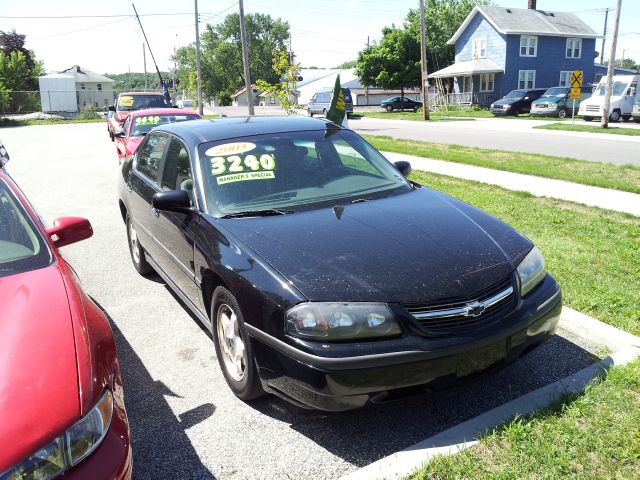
<point>257,213</point>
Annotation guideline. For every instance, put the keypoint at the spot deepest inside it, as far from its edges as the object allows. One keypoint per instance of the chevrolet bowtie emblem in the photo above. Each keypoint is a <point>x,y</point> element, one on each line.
<point>474,309</point>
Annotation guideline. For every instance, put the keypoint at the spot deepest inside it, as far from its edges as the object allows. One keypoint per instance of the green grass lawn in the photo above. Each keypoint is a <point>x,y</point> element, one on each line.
<point>593,436</point>
<point>626,178</point>
<point>590,129</point>
<point>592,253</point>
<point>6,122</point>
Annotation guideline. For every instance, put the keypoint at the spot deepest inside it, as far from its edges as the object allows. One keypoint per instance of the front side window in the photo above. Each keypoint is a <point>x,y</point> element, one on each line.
<point>294,171</point>
<point>528,46</point>
<point>526,79</point>
<point>22,247</point>
<point>574,47</point>
<point>150,154</point>
<point>565,78</point>
<point>479,49</point>
<point>618,89</point>
<point>486,82</point>
<point>176,172</point>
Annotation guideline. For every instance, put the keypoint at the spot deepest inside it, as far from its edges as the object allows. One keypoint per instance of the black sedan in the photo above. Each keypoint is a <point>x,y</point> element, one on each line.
<point>325,276</point>
<point>400,103</point>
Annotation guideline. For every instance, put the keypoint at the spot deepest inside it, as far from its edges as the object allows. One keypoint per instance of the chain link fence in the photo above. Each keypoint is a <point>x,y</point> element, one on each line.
<point>18,102</point>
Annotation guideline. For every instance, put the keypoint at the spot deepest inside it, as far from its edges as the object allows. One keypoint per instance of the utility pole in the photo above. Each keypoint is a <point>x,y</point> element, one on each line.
<point>245,60</point>
<point>144,61</point>
<point>198,71</point>
<point>604,121</point>
<point>604,35</point>
<point>366,88</point>
<point>423,62</point>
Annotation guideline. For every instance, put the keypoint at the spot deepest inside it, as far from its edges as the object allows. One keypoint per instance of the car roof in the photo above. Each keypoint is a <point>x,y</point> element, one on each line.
<point>211,130</point>
<point>162,111</point>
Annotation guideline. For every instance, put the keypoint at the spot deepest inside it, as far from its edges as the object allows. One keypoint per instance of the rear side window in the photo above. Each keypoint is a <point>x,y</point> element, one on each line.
<point>150,154</point>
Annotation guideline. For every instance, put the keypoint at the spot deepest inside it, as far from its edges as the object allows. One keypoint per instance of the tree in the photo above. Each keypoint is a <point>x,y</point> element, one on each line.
<point>626,63</point>
<point>12,42</point>
<point>285,88</point>
<point>392,63</point>
<point>221,58</point>
<point>347,65</point>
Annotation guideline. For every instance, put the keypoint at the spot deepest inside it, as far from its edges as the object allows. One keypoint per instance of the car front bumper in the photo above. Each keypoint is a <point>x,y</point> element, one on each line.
<point>500,111</point>
<point>344,383</point>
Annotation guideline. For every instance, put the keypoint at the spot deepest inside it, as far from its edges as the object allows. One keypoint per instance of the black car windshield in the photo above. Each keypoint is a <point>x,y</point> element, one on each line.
<point>294,171</point>
<point>142,124</point>
<point>136,102</point>
<point>556,92</point>
<point>515,94</point>
<point>22,248</point>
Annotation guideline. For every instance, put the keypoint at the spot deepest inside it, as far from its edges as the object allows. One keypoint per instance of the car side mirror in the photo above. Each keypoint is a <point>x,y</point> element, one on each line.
<point>119,134</point>
<point>403,167</point>
<point>68,230</point>
<point>172,201</point>
<point>112,108</point>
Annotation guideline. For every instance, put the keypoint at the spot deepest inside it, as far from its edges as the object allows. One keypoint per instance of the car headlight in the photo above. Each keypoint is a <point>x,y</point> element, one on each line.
<point>68,449</point>
<point>531,271</point>
<point>341,321</point>
<point>506,107</point>
<point>492,105</point>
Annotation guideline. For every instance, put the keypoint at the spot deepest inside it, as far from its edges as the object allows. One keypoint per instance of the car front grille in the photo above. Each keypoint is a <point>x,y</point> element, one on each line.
<point>465,314</point>
<point>593,108</point>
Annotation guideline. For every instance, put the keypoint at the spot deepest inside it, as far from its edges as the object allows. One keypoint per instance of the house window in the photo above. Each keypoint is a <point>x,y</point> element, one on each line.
<point>574,47</point>
<point>486,82</point>
<point>99,87</point>
<point>82,86</point>
<point>479,48</point>
<point>526,79</point>
<point>565,79</point>
<point>528,46</point>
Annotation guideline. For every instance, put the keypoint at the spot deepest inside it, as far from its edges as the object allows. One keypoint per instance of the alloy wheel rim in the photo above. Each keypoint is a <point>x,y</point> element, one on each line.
<point>133,242</point>
<point>230,342</point>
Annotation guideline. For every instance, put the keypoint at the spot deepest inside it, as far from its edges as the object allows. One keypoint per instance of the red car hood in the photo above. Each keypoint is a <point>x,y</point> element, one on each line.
<point>132,144</point>
<point>38,370</point>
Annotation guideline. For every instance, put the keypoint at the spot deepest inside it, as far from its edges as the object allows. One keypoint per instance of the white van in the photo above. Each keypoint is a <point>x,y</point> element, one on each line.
<point>623,95</point>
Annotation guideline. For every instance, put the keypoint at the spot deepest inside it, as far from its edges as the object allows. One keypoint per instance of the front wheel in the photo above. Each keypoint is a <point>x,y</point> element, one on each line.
<point>233,346</point>
<point>587,119</point>
<point>310,112</point>
<point>135,249</point>
<point>615,116</point>
<point>563,113</point>
<point>389,108</point>
<point>626,118</point>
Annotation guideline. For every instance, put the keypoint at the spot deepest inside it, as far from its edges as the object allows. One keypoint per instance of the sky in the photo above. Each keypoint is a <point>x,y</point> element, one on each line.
<point>104,37</point>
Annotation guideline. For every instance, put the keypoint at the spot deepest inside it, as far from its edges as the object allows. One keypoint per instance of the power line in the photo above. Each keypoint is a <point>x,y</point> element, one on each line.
<point>63,17</point>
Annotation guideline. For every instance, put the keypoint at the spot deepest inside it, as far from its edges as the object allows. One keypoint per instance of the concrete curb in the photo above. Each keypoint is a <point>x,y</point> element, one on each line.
<point>465,435</point>
<point>542,187</point>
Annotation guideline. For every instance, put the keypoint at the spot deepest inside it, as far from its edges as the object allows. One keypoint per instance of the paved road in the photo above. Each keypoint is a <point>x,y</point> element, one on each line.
<point>184,420</point>
<point>514,135</point>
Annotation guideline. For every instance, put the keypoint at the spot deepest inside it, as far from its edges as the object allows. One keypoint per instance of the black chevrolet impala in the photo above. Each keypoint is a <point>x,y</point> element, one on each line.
<point>325,276</point>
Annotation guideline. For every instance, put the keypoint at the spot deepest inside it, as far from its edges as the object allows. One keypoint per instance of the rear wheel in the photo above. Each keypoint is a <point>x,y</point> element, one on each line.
<point>562,113</point>
<point>233,346</point>
<point>309,112</point>
<point>389,108</point>
<point>324,112</point>
<point>135,249</point>
<point>626,118</point>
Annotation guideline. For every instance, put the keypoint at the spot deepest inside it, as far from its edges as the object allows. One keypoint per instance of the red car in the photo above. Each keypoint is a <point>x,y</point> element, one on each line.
<point>139,123</point>
<point>61,401</point>
<point>128,102</point>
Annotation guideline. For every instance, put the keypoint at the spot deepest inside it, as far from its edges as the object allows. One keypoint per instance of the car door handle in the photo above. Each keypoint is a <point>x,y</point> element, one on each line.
<point>155,212</point>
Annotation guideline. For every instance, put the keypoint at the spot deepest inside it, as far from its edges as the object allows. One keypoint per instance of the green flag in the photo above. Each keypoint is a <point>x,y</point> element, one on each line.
<point>338,108</point>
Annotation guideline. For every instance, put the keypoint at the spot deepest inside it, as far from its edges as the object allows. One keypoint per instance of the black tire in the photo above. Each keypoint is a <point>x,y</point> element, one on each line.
<point>626,118</point>
<point>389,108</point>
<point>415,109</point>
<point>563,113</point>
<point>636,119</point>
<point>587,119</point>
<point>135,249</point>
<point>111,136</point>
<point>615,116</point>
<point>310,112</point>
<point>245,384</point>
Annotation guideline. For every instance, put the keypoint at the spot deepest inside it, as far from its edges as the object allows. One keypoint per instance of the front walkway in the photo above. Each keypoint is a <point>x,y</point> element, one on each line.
<point>539,186</point>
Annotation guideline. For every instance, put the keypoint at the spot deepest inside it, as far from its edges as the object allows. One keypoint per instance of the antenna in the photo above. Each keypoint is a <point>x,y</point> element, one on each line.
<point>165,91</point>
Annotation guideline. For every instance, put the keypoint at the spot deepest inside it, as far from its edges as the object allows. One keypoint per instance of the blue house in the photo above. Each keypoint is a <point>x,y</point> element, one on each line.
<point>501,49</point>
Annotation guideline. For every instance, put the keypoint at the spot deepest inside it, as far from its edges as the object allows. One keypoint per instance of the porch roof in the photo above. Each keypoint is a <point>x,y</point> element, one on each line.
<point>469,67</point>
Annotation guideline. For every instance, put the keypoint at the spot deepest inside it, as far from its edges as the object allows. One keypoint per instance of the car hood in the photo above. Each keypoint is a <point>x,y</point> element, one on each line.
<point>547,100</point>
<point>506,101</point>
<point>415,247</point>
<point>38,370</point>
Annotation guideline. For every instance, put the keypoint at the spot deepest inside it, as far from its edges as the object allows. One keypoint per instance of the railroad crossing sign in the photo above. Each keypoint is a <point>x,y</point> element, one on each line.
<point>576,83</point>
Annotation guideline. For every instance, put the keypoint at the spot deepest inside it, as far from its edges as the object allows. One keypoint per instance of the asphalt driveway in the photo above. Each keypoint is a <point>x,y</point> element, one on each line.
<point>184,420</point>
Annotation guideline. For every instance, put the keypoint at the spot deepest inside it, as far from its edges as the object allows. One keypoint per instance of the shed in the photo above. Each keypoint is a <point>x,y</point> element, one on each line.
<point>58,93</point>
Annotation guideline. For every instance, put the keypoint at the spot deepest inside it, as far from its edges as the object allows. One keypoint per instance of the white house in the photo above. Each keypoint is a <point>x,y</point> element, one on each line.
<point>89,89</point>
